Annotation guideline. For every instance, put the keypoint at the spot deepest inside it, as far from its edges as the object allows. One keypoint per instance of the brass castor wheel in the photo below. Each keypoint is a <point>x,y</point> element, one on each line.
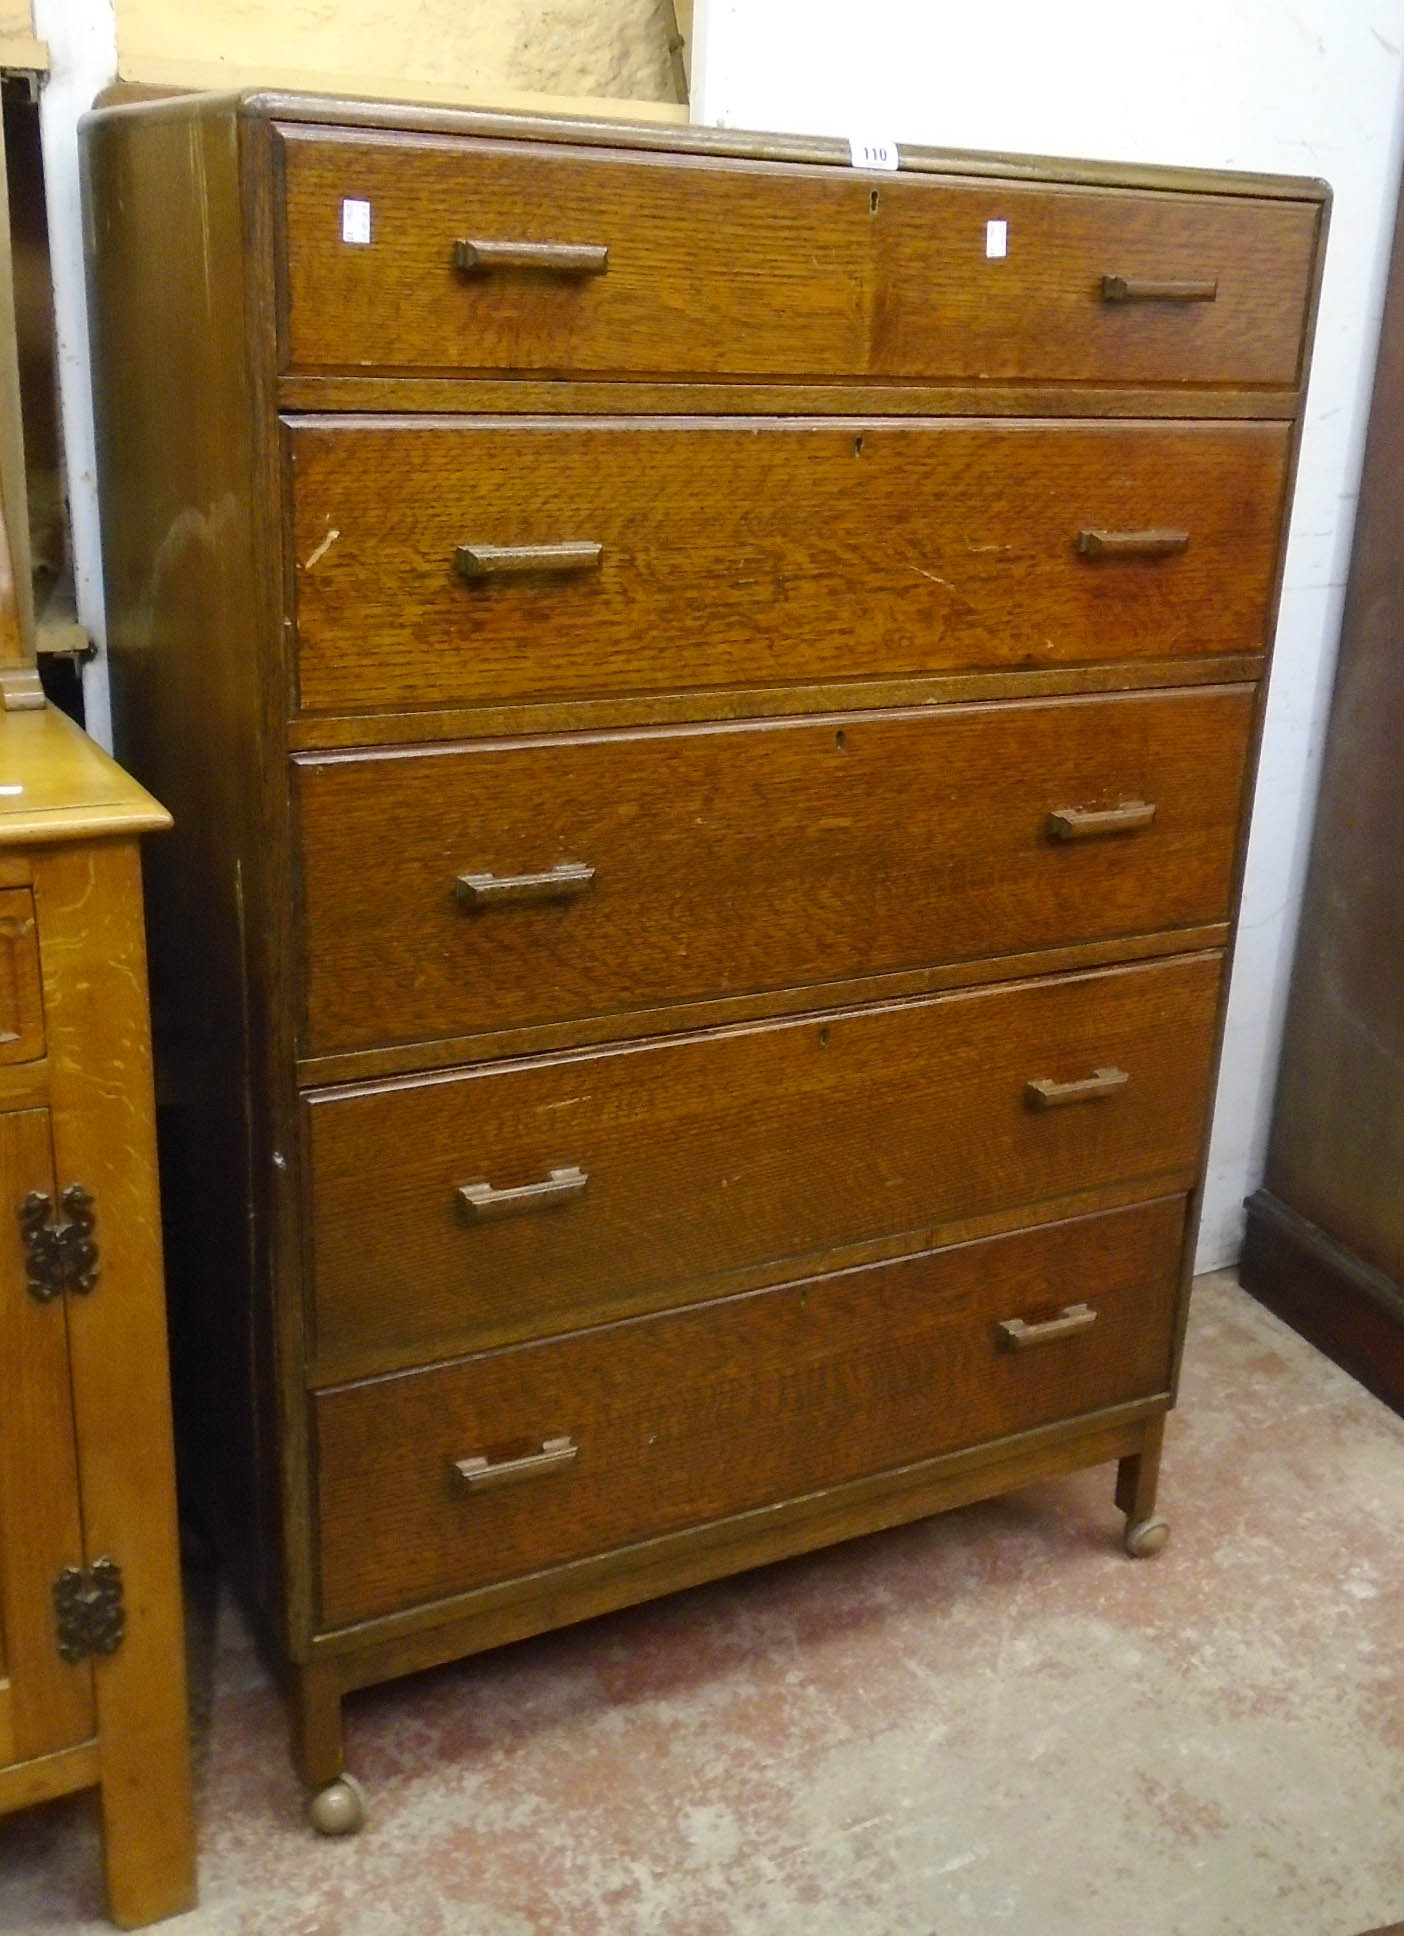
<point>1146,1536</point>
<point>339,1808</point>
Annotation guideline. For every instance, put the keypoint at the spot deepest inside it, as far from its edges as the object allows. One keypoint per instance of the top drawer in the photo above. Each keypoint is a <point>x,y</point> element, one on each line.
<point>708,267</point>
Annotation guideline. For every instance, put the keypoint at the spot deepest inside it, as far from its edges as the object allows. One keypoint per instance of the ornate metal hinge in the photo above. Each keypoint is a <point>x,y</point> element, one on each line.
<point>62,1256</point>
<point>91,1616</point>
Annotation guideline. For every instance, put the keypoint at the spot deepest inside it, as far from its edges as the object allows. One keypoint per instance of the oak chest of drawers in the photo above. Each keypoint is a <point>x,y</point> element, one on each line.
<point>709,700</point>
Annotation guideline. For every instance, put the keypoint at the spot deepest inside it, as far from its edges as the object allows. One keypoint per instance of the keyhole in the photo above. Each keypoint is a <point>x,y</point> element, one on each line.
<point>840,739</point>
<point>824,1036</point>
<point>857,446</point>
<point>873,203</point>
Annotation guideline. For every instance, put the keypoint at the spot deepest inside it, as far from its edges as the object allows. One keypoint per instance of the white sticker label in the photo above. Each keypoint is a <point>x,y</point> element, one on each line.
<point>864,152</point>
<point>355,222</point>
<point>996,240</point>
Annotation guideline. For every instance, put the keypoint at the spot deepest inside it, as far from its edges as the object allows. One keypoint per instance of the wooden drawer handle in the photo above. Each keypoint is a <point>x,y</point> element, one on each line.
<point>1120,289</point>
<point>481,1203</point>
<point>480,1475</point>
<point>477,257</point>
<point>1018,1335</point>
<point>560,883</point>
<point>1085,823</point>
<point>1044,1093</point>
<point>1131,544</point>
<point>514,561</point>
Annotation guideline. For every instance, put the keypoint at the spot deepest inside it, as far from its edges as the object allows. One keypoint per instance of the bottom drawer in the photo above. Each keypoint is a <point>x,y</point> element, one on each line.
<point>433,1482</point>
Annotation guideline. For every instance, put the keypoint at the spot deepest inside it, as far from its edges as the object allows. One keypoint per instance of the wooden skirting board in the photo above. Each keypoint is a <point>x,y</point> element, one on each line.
<point>1347,1308</point>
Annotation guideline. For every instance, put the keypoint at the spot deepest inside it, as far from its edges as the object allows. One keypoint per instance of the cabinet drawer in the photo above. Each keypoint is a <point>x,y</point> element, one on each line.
<point>625,871</point>
<point>713,267</point>
<point>642,1428</point>
<point>519,1198</point>
<point>21,997</point>
<point>763,552</point>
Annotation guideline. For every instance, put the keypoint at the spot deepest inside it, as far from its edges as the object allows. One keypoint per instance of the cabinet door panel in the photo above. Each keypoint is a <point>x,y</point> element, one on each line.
<point>45,1704</point>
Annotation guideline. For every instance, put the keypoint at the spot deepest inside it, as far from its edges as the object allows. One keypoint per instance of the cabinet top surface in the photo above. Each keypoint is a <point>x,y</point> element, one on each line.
<point>57,784</point>
<point>819,150</point>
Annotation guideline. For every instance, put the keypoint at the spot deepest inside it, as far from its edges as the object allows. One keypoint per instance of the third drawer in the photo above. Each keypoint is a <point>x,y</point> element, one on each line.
<point>723,861</point>
<point>516,1199</point>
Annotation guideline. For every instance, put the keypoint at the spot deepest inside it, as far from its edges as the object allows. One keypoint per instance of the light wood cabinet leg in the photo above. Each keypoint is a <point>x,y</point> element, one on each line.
<point>148,1827</point>
<point>1136,1481</point>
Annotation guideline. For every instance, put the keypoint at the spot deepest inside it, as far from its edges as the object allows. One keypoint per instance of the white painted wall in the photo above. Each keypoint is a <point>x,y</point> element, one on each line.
<point>1311,88</point>
<point>82,40</point>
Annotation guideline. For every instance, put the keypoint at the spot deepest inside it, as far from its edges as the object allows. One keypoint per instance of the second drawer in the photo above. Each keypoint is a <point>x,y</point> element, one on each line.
<point>584,876</point>
<point>508,1201</point>
<point>456,561</point>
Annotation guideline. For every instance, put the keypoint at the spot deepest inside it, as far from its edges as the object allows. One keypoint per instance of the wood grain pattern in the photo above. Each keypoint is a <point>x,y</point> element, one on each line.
<point>418,117</point>
<point>891,841</point>
<point>727,267</point>
<point>24,1783</point>
<point>45,1704</point>
<point>566,396</point>
<point>63,785</point>
<point>196,669</point>
<point>373,1065</point>
<point>24,1085</point>
<point>322,731</point>
<point>489,1616</point>
<point>708,1152</point>
<point>764,553</point>
<point>763,564</point>
<point>21,1003</point>
<point>379,1359</point>
<point>89,900</point>
<point>690,1417</point>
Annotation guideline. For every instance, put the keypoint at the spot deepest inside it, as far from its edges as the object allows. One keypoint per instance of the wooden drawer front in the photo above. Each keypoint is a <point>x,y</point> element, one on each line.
<point>763,552</point>
<point>725,1151</point>
<point>21,997</point>
<point>721,268</point>
<point>684,1418</point>
<point>735,859</point>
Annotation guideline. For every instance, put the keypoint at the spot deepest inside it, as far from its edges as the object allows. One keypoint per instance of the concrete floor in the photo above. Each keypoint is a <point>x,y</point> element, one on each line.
<point>990,1720</point>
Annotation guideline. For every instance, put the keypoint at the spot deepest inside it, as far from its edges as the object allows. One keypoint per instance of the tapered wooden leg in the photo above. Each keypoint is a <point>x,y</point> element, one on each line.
<point>148,1826</point>
<point>1136,1481</point>
<point>336,1805</point>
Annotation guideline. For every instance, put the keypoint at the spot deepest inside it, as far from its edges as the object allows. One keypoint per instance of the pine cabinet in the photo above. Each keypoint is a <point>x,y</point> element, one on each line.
<point>92,1687</point>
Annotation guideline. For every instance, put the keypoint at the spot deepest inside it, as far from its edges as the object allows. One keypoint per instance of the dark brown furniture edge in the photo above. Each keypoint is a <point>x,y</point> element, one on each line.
<point>673,137</point>
<point>1338,1302</point>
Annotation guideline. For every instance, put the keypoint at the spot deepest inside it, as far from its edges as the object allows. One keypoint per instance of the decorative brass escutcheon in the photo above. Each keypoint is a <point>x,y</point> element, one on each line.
<point>88,1604</point>
<point>62,1256</point>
